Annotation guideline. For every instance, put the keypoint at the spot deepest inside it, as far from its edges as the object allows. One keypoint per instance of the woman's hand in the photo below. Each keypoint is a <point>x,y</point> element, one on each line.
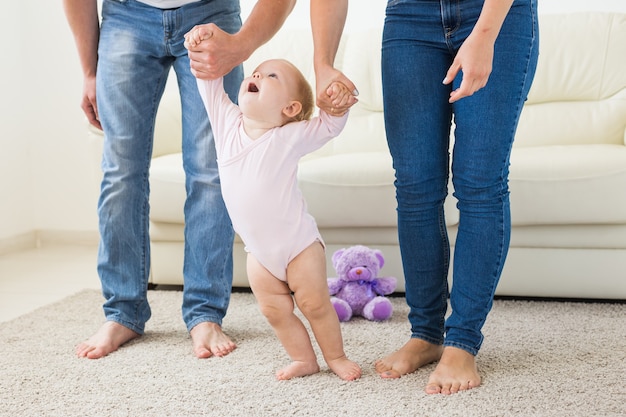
<point>475,59</point>
<point>335,92</point>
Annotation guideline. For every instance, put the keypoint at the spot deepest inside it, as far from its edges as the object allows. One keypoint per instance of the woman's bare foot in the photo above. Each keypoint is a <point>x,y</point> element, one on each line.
<point>296,369</point>
<point>345,368</point>
<point>208,340</point>
<point>409,358</point>
<point>456,371</point>
<point>107,339</point>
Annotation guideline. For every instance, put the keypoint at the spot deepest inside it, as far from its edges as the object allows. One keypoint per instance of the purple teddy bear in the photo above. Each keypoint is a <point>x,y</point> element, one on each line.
<point>358,290</point>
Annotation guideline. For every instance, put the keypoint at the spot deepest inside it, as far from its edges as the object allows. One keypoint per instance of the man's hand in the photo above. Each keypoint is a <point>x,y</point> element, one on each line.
<point>88,102</point>
<point>213,52</point>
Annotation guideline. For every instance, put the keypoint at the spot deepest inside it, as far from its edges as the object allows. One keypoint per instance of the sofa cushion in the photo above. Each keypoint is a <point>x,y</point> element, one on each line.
<point>576,184</point>
<point>354,190</point>
<point>573,122</point>
<point>167,189</point>
<point>578,64</point>
<point>346,190</point>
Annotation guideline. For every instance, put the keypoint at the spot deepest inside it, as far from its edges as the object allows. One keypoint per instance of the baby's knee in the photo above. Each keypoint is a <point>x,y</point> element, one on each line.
<point>275,312</point>
<point>313,306</point>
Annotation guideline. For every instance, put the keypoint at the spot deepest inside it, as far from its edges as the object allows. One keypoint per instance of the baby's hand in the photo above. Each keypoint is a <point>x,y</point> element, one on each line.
<point>196,36</point>
<point>341,98</point>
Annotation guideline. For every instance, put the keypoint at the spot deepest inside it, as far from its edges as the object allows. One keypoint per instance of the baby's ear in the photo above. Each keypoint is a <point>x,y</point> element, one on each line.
<point>293,109</point>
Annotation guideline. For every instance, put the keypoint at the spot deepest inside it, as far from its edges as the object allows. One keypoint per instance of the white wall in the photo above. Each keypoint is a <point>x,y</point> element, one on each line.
<point>15,172</point>
<point>366,13</point>
<point>361,13</point>
<point>49,170</point>
<point>64,164</point>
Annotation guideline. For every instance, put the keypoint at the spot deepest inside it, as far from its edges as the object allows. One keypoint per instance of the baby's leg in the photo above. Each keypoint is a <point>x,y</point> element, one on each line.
<point>306,275</point>
<point>276,303</point>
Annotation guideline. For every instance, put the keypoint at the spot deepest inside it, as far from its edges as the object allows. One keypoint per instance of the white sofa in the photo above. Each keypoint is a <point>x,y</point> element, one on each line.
<point>568,167</point>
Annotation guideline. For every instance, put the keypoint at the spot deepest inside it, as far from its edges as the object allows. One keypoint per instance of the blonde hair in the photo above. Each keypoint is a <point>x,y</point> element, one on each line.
<point>304,94</point>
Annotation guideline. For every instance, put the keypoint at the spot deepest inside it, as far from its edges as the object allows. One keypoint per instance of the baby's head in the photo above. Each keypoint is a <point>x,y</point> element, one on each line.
<point>276,92</point>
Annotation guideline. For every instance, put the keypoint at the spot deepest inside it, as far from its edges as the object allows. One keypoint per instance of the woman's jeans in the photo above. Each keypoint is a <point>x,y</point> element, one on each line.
<point>138,46</point>
<point>420,41</point>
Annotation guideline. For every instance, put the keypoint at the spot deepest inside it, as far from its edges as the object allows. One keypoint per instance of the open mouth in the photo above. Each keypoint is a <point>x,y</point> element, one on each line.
<point>252,88</point>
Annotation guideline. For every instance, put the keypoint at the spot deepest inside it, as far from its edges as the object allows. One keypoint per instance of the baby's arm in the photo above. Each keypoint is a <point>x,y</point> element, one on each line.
<point>340,97</point>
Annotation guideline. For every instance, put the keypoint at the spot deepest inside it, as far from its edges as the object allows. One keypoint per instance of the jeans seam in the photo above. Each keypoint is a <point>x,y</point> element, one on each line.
<point>446,267</point>
<point>472,350</point>
<point>129,325</point>
<point>426,338</point>
<point>203,319</point>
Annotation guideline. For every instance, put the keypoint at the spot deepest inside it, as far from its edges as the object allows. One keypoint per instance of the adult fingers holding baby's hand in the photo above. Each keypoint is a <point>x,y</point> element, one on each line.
<point>341,98</point>
<point>196,35</point>
<point>335,92</point>
<point>217,53</point>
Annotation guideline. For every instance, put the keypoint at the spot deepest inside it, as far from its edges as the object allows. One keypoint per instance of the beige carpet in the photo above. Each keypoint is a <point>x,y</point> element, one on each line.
<point>538,359</point>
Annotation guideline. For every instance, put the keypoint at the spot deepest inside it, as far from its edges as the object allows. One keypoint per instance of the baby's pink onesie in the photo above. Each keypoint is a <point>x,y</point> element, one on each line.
<point>259,178</point>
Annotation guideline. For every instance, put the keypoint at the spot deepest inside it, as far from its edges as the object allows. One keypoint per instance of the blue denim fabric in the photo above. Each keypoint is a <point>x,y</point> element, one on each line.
<point>420,41</point>
<point>138,46</point>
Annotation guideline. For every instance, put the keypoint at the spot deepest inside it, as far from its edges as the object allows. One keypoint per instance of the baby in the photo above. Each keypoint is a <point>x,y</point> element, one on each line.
<point>259,143</point>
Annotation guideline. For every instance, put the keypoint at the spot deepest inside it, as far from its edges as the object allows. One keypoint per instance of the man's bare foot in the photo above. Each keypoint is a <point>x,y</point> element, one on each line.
<point>107,339</point>
<point>297,369</point>
<point>345,368</point>
<point>456,371</point>
<point>409,358</point>
<point>209,340</point>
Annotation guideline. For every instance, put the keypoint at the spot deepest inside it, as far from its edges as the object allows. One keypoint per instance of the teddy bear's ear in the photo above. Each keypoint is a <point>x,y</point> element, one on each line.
<point>337,256</point>
<point>381,259</point>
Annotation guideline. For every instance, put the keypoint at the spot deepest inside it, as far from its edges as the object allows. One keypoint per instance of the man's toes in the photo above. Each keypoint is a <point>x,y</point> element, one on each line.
<point>202,353</point>
<point>95,354</point>
<point>223,350</point>
<point>219,352</point>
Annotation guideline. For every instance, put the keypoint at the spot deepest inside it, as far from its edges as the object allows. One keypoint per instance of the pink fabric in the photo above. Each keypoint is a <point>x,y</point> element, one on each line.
<point>259,178</point>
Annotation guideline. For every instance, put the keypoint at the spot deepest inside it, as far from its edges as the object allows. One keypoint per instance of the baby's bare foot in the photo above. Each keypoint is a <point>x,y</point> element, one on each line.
<point>409,358</point>
<point>208,340</point>
<point>345,368</point>
<point>107,339</point>
<point>297,369</point>
<point>456,371</point>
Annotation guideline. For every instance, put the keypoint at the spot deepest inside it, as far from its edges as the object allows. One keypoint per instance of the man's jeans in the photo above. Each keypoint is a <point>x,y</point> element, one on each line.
<point>420,41</point>
<point>138,46</point>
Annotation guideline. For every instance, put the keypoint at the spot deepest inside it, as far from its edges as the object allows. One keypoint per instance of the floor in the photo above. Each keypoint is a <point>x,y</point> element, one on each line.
<point>32,278</point>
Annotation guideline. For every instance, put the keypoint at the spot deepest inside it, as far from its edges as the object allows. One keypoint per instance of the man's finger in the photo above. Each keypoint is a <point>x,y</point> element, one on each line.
<point>206,34</point>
